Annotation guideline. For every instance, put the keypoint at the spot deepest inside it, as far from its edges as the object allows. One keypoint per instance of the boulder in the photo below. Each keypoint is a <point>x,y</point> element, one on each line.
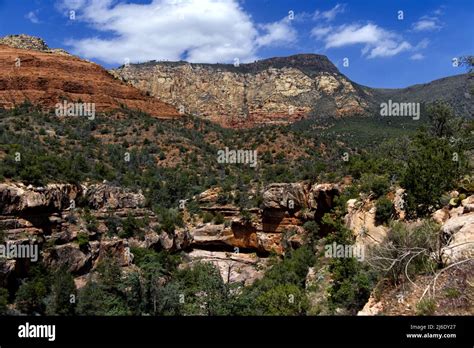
<point>285,196</point>
<point>459,232</point>
<point>440,216</point>
<point>70,255</point>
<point>116,248</point>
<point>468,204</point>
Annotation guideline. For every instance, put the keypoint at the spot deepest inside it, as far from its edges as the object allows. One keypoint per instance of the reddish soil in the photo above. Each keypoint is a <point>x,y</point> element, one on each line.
<point>46,78</point>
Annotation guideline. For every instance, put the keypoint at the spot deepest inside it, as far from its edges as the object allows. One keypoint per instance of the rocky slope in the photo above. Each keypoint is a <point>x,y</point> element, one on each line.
<point>276,90</point>
<point>31,71</point>
<point>451,291</point>
<point>456,90</point>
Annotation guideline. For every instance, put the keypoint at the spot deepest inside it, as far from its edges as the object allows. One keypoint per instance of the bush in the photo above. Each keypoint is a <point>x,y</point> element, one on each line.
<point>112,223</point>
<point>412,249</point>
<point>427,306</point>
<point>285,300</point>
<point>376,184</point>
<point>130,227</point>
<point>385,210</point>
<point>82,240</point>
<point>219,219</point>
<point>207,217</point>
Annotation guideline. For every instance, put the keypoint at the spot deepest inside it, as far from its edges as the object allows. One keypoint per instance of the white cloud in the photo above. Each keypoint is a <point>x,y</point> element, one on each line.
<point>417,56</point>
<point>32,16</point>
<point>279,32</point>
<point>320,32</point>
<point>427,23</point>
<point>378,41</point>
<point>195,30</point>
<point>422,44</point>
<point>330,14</point>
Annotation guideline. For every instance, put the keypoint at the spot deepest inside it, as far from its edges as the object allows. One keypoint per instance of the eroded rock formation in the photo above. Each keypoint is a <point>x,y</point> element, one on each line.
<point>276,90</point>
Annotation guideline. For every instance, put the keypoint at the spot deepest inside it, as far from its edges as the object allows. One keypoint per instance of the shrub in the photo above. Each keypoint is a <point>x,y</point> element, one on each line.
<point>427,306</point>
<point>384,210</point>
<point>112,223</point>
<point>219,219</point>
<point>430,172</point>
<point>82,239</point>
<point>130,227</point>
<point>377,184</point>
<point>407,251</point>
<point>207,217</point>
<point>285,300</point>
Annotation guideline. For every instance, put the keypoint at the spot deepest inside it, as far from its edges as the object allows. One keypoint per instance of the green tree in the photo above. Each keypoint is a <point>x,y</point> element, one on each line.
<point>3,301</point>
<point>284,300</point>
<point>384,210</point>
<point>430,171</point>
<point>63,290</point>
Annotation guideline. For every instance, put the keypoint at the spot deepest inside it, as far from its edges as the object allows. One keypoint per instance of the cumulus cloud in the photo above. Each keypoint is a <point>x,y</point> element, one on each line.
<point>194,30</point>
<point>377,41</point>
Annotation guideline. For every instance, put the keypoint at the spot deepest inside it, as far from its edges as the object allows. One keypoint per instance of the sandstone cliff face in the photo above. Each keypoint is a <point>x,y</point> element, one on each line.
<point>31,71</point>
<point>278,90</point>
<point>71,224</point>
<point>270,229</point>
<point>54,218</point>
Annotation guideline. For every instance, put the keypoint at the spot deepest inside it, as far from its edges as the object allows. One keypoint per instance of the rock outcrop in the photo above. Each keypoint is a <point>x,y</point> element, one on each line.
<point>270,229</point>
<point>233,267</point>
<point>360,219</point>
<point>71,225</point>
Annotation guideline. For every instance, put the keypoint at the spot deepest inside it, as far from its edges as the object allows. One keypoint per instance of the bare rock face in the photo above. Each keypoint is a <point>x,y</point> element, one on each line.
<point>54,217</point>
<point>47,77</point>
<point>286,196</point>
<point>17,198</point>
<point>468,204</point>
<point>459,231</point>
<point>440,216</point>
<point>372,307</point>
<point>276,90</point>
<point>233,267</point>
<point>360,219</point>
<point>69,255</point>
<point>103,196</point>
<point>278,225</point>
<point>116,248</point>
<point>295,196</point>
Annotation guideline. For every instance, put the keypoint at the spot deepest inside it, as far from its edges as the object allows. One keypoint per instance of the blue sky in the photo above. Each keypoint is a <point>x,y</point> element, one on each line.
<point>384,48</point>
